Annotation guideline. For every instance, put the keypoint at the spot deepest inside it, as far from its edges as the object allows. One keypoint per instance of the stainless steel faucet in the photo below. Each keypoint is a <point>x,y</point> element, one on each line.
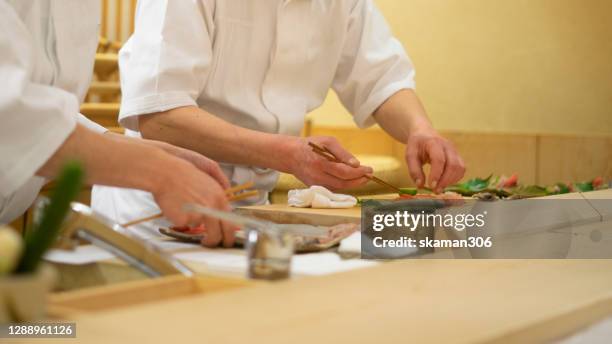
<point>83,224</point>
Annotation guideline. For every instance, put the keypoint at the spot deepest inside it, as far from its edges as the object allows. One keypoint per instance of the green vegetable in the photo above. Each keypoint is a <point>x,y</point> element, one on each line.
<point>530,191</point>
<point>11,246</point>
<point>583,187</point>
<point>40,238</point>
<point>408,191</point>
<point>558,189</point>
<point>500,192</point>
<point>471,187</point>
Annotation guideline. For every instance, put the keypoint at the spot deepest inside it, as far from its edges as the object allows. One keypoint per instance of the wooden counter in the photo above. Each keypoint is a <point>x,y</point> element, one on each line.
<point>421,301</point>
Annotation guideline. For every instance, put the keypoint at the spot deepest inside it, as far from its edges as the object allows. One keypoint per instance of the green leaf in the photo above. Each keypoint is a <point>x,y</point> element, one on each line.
<point>558,189</point>
<point>470,187</point>
<point>39,239</point>
<point>583,187</point>
<point>531,191</point>
<point>408,191</point>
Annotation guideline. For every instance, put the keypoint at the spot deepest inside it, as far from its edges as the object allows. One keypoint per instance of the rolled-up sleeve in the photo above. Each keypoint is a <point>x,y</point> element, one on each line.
<point>166,62</point>
<point>373,65</point>
<point>91,125</point>
<point>35,119</point>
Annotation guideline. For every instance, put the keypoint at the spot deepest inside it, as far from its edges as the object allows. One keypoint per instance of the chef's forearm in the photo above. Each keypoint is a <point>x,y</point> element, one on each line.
<point>109,161</point>
<point>195,129</point>
<point>402,114</point>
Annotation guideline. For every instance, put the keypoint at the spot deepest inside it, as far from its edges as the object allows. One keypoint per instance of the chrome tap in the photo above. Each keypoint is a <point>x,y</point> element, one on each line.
<point>83,224</point>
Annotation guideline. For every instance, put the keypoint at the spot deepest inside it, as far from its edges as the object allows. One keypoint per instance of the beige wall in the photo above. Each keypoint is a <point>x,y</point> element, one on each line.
<point>537,66</point>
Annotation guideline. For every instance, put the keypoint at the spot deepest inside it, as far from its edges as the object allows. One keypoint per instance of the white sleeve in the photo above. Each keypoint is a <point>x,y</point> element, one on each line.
<point>35,119</point>
<point>166,62</point>
<point>91,125</point>
<point>373,66</point>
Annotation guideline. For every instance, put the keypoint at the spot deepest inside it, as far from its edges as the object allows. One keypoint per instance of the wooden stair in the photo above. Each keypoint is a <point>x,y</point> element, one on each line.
<point>105,114</point>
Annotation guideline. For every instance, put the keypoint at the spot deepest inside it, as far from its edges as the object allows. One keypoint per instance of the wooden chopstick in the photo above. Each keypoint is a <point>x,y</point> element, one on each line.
<point>231,196</point>
<point>324,152</point>
<point>384,183</point>
<point>244,195</point>
<point>237,188</point>
<point>144,219</point>
<point>327,154</point>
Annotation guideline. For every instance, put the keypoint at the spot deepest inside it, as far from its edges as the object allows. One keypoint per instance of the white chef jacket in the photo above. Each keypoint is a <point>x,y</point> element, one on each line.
<point>46,64</point>
<point>261,65</point>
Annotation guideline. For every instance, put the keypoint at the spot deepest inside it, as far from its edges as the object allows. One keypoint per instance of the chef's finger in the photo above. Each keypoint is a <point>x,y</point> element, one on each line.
<point>214,234</point>
<point>216,172</point>
<point>353,183</point>
<point>344,171</point>
<point>452,170</point>
<point>212,169</point>
<point>339,152</point>
<point>333,183</point>
<point>176,216</point>
<point>229,234</point>
<point>454,165</point>
<point>437,160</point>
<point>415,166</point>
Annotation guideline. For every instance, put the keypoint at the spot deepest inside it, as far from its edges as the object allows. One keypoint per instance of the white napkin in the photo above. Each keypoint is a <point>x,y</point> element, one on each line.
<point>319,197</point>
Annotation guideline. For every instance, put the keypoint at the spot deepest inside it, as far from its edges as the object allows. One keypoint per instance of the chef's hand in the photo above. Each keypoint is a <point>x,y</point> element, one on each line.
<point>313,169</point>
<point>203,163</point>
<point>183,183</point>
<point>427,146</point>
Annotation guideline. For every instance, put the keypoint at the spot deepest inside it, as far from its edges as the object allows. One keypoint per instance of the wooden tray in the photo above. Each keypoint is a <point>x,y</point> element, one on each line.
<point>91,300</point>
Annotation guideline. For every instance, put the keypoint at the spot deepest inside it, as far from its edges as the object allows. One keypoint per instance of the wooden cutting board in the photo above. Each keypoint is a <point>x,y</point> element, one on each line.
<point>282,213</point>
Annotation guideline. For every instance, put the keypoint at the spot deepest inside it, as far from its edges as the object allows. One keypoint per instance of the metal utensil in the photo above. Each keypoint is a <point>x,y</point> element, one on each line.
<point>269,246</point>
<point>83,224</point>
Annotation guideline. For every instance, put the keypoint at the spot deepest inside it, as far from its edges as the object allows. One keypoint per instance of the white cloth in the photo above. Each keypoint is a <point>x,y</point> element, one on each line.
<point>261,65</point>
<point>46,64</point>
<point>319,197</point>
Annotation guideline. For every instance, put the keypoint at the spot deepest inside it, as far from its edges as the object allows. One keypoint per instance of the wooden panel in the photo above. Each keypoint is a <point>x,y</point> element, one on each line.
<point>572,158</point>
<point>405,301</point>
<point>104,19</point>
<point>497,153</point>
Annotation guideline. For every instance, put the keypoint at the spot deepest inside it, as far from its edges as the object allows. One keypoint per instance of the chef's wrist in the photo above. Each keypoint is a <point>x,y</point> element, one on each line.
<point>420,126</point>
<point>158,169</point>
<point>285,153</point>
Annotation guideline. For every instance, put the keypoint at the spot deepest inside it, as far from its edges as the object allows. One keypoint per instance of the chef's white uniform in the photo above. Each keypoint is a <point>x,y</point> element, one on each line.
<point>46,63</point>
<point>261,65</point>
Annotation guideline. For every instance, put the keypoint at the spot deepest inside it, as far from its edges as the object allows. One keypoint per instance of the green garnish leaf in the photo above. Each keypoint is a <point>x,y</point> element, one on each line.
<point>408,191</point>
<point>584,187</point>
<point>42,237</point>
